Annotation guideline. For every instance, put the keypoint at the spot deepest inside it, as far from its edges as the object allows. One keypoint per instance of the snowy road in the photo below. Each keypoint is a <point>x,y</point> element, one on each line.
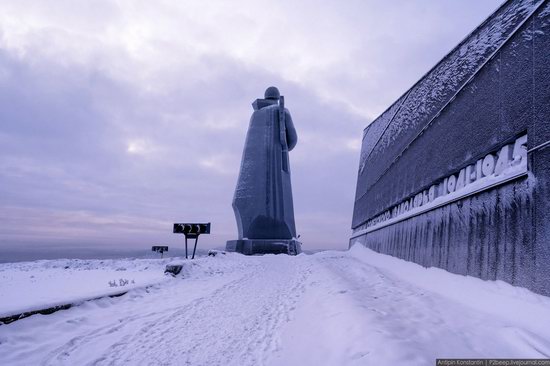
<point>331,308</point>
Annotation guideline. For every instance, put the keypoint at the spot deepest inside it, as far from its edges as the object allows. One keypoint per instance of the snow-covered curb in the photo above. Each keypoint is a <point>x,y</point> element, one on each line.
<point>30,287</point>
<point>49,309</point>
<point>45,286</point>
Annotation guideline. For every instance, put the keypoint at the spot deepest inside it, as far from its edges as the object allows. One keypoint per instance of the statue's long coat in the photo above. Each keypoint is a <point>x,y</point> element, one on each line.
<point>263,198</point>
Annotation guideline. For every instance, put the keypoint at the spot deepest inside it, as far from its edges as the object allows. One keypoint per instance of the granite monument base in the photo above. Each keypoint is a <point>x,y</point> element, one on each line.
<point>264,246</point>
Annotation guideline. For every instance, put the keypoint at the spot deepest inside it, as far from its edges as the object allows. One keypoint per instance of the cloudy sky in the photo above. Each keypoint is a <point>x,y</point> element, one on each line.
<point>118,118</point>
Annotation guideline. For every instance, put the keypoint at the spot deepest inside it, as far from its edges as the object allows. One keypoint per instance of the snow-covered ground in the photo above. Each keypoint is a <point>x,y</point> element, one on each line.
<point>330,308</point>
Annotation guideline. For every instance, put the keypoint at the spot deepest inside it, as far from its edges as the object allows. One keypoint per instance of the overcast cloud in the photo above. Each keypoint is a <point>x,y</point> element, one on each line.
<point>118,118</point>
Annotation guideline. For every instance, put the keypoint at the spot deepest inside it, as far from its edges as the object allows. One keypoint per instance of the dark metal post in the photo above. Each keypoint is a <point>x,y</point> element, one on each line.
<point>195,248</point>
<point>185,246</point>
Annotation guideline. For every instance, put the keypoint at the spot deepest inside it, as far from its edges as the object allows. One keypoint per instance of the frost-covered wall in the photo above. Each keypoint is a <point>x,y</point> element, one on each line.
<point>489,90</point>
<point>488,236</point>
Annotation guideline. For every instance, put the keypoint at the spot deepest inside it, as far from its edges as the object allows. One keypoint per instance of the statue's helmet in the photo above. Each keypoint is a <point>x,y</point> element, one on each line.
<point>272,93</point>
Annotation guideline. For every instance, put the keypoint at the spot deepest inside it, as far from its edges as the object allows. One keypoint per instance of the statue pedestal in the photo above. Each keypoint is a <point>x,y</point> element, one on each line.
<point>264,246</point>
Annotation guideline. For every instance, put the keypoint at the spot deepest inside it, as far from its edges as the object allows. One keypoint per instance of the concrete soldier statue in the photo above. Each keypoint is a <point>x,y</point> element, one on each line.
<point>263,198</point>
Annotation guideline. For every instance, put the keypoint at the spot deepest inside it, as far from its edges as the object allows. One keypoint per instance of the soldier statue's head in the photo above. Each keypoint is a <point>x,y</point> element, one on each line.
<point>272,93</point>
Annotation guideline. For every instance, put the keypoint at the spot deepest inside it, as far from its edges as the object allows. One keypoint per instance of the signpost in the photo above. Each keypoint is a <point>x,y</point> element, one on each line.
<point>160,249</point>
<point>191,231</point>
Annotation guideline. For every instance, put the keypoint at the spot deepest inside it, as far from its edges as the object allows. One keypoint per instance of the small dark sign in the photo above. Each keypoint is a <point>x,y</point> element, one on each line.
<point>159,249</point>
<point>190,229</point>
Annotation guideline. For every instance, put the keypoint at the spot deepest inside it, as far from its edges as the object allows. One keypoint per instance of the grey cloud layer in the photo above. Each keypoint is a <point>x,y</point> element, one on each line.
<point>115,121</point>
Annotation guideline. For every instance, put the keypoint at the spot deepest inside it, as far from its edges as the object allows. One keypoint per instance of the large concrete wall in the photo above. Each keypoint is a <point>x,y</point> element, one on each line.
<point>539,157</point>
<point>488,235</point>
<point>491,89</point>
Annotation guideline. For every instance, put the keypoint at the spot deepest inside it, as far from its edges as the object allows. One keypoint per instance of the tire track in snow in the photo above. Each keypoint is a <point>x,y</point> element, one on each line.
<point>125,326</point>
<point>237,324</point>
<point>427,324</point>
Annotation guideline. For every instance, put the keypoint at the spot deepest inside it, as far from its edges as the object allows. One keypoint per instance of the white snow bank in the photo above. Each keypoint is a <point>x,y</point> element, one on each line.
<point>30,286</point>
<point>516,305</point>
